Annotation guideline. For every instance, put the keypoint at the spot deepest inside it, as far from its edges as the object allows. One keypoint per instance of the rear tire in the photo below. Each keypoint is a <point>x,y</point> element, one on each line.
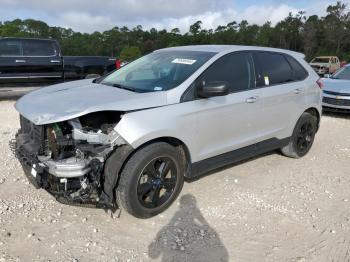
<point>302,138</point>
<point>151,180</point>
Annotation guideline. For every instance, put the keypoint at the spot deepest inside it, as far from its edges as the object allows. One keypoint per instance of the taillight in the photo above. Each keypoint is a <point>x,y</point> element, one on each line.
<point>320,83</point>
<point>118,64</point>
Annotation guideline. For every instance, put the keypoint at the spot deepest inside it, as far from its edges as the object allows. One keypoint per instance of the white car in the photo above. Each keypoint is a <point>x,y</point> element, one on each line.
<point>129,139</point>
<point>325,64</point>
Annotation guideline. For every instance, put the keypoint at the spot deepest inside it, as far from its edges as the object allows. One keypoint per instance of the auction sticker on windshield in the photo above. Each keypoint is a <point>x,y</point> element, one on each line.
<point>184,61</point>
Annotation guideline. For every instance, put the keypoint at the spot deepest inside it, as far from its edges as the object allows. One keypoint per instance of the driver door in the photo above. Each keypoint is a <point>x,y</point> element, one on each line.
<point>229,122</point>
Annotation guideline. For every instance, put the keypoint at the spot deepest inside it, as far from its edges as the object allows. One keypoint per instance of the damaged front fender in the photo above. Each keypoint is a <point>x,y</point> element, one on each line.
<point>112,169</point>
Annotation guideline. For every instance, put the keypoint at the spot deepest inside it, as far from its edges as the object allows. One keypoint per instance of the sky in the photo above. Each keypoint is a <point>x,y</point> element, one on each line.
<point>100,15</point>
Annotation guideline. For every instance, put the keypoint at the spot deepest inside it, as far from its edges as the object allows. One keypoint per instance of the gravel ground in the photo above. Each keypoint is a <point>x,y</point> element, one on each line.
<point>14,92</point>
<point>271,208</point>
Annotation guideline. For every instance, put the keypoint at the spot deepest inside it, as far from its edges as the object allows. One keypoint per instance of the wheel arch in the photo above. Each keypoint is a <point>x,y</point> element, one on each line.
<point>313,111</point>
<point>176,142</point>
<point>117,160</point>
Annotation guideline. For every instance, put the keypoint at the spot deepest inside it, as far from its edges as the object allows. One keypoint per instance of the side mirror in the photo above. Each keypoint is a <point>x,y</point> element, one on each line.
<point>212,89</point>
<point>91,76</point>
<point>327,75</point>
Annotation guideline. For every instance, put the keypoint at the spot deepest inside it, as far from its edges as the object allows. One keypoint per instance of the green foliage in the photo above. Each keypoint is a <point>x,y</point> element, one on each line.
<point>130,53</point>
<point>328,35</point>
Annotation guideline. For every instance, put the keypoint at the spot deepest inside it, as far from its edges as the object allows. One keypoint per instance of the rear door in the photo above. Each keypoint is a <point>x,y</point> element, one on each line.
<point>284,93</point>
<point>42,59</point>
<point>12,63</point>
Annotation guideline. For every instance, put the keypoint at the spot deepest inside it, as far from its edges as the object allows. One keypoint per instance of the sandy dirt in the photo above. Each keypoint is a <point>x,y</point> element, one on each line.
<point>271,208</point>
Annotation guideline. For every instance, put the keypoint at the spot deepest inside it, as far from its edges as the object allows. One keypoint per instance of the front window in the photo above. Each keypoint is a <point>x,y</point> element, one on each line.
<point>158,71</point>
<point>10,48</point>
<point>320,60</point>
<point>342,73</point>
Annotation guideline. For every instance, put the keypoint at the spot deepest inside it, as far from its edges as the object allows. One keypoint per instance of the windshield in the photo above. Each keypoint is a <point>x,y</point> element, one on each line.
<point>342,73</point>
<point>320,60</point>
<point>158,71</point>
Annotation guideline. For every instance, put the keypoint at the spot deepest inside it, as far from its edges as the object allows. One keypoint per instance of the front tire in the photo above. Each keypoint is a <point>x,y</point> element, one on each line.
<point>302,138</point>
<point>151,180</point>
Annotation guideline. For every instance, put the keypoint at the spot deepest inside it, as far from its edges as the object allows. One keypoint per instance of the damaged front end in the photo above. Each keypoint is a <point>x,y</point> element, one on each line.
<point>68,158</point>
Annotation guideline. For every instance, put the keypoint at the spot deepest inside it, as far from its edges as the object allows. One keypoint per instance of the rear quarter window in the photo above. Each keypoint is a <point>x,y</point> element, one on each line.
<point>275,69</point>
<point>299,72</point>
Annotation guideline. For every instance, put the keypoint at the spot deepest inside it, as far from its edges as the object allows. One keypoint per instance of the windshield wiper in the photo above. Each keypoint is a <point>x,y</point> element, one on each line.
<point>121,87</point>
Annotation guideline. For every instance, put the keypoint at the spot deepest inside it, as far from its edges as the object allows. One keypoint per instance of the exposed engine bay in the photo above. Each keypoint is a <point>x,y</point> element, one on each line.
<point>68,158</point>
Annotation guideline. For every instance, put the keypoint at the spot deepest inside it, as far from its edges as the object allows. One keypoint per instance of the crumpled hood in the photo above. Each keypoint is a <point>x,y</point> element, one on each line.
<point>337,85</point>
<point>73,99</point>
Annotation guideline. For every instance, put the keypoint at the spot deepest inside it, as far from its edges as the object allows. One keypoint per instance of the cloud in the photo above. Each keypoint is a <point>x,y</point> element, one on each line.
<point>121,9</point>
<point>260,14</point>
<point>94,15</point>
<point>85,22</point>
<point>210,20</point>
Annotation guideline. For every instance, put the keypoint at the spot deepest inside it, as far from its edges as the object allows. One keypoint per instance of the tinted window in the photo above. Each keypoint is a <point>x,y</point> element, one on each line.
<point>299,73</point>
<point>275,69</point>
<point>38,48</point>
<point>10,48</point>
<point>236,69</point>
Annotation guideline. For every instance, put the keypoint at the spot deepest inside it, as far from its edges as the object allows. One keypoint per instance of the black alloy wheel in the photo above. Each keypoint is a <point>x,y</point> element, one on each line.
<point>151,179</point>
<point>157,182</point>
<point>305,138</point>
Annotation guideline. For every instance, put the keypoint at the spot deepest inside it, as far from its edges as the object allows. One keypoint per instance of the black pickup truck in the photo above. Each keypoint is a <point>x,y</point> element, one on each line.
<point>38,60</point>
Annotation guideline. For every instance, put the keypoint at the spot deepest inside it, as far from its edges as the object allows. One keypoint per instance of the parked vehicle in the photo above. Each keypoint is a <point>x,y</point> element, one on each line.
<point>325,64</point>
<point>132,137</point>
<point>336,93</point>
<point>36,60</point>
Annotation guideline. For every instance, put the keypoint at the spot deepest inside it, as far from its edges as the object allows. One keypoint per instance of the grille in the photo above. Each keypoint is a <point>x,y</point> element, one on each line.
<point>336,93</point>
<point>334,101</point>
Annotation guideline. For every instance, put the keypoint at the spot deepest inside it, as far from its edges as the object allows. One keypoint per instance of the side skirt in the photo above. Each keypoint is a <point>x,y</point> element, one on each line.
<point>204,166</point>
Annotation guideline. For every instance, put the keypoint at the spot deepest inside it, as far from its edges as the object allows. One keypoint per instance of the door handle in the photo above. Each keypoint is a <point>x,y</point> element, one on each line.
<point>20,61</point>
<point>252,99</point>
<point>298,91</point>
<point>55,61</point>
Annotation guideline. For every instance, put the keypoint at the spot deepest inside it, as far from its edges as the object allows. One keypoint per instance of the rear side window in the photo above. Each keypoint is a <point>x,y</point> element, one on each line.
<point>236,69</point>
<point>299,73</point>
<point>38,48</point>
<point>275,69</point>
<point>10,48</point>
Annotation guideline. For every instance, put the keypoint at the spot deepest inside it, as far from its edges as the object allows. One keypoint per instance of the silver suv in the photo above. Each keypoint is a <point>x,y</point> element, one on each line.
<point>131,138</point>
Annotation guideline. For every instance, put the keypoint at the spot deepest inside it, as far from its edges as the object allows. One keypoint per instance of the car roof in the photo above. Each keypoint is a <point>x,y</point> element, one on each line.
<point>27,38</point>
<point>229,48</point>
<point>325,56</point>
